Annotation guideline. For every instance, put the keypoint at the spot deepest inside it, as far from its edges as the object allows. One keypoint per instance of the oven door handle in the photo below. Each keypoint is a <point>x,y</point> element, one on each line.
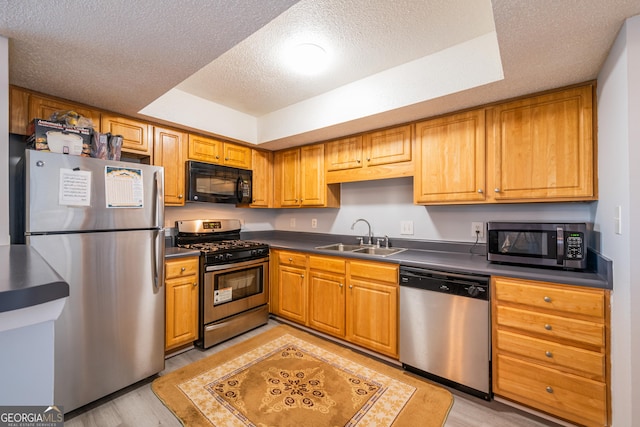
<point>235,265</point>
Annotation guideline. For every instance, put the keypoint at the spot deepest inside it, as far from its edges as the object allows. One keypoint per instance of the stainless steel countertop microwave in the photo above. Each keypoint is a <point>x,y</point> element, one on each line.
<point>547,244</point>
<point>208,182</point>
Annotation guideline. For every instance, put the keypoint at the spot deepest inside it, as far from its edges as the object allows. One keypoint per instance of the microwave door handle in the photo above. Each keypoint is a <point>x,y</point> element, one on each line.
<point>239,190</point>
<point>559,245</point>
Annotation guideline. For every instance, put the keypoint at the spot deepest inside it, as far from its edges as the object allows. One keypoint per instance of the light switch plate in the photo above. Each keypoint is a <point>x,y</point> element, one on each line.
<point>406,227</point>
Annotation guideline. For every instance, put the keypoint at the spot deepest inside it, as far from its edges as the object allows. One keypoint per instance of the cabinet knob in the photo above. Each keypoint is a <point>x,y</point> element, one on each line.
<point>350,286</point>
<point>368,159</point>
<point>547,299</point>
<point>302,276</point>
<point>480,190</point>
<point>180,196</point>
<point>497,190</point>
<point>357,160</point>
<point>290,259</point>
<point>549,389</point>
<point>548,354</point>
<point>226,158</point>
<point>195,284</point>
<point>340,285</point>
<point>547,327</point>
<point>183,269</point>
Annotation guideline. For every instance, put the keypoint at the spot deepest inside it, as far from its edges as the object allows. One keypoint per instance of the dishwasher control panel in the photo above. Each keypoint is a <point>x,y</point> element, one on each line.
<point>464,285</point>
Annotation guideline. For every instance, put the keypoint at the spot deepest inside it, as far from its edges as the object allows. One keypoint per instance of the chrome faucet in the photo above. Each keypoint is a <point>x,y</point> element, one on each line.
<point>370,242</point>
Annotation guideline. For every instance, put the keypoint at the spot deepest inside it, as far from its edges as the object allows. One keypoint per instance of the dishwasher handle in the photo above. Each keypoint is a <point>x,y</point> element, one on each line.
<point>465,285</point>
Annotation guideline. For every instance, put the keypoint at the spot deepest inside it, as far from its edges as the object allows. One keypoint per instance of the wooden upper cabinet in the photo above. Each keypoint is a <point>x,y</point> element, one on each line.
<point>388,146</point>
<point>262,167</point>
<point>41,107</point>
<point>300,179</point>
<point>344,153</point>
<point>450,159</point>
<point>211,150</point>
<point>137,136</point>
<point>543,147</point>
<point>375,155</point>
<point>169,150</point>
<point>18,110</point>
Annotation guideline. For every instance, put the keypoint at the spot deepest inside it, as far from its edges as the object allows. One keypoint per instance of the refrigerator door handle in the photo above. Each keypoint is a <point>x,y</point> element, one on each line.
<point>158,260</point>
<point>159,203</point>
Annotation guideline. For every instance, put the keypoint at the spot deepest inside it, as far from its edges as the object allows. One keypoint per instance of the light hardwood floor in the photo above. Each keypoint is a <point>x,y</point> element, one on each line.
<point>138,406</point>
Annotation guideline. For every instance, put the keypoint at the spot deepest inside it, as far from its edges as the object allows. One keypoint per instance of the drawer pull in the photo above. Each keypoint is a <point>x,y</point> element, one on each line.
<point>290,259</point>
<point>547,327</point>
<point>547,299</point>
<point>183,269</point>
<point>549,389</point>
<point>548,354</point>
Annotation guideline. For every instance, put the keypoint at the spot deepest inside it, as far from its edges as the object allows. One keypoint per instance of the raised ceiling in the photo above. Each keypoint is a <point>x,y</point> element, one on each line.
<point>214,66</point>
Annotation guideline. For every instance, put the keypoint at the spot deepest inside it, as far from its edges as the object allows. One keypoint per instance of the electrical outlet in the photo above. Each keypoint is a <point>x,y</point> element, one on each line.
<point>314,223</point>
<point>477,229</point>
<point>292,223</point>
<point>406,227</point>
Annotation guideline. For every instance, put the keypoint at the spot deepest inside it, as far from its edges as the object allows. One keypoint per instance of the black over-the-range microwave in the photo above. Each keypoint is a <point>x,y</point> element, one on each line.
<point>539,244</point>
<point>207,182</point>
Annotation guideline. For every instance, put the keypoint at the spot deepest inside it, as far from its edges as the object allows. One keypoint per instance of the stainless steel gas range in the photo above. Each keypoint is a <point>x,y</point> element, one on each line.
<point>234,274</point>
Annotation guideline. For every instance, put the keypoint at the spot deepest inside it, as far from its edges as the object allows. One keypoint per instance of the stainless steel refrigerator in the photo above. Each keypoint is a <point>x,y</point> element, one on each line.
<point>99,224</point>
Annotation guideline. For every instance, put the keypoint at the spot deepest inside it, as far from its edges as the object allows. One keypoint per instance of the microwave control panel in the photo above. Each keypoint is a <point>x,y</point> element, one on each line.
<point>574,246</point>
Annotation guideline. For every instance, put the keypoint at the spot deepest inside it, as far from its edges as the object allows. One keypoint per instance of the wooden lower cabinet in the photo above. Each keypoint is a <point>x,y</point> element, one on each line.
<point>350,299</point>
<point>551,348</point>
<point>181,302</point>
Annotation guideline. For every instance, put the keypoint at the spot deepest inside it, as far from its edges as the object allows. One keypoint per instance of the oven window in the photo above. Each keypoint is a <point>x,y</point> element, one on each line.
<point>237,284</point>
<point>524,243</point>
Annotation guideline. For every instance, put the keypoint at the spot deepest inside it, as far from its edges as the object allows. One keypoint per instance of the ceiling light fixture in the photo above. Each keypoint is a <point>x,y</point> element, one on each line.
<point>308,58</point>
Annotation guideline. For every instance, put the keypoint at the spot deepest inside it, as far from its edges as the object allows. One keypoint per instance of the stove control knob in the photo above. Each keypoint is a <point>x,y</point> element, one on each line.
<point>254,252</point>
<point>229,256</point>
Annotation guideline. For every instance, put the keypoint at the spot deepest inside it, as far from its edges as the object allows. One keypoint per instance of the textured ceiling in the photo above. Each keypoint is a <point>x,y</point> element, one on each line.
<point>122,55</point>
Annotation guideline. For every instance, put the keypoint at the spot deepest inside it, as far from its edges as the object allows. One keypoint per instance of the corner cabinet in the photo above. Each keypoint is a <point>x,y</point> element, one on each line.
<point>181,302</point>
<point>169,151</point>
<point>543,147</point>
<point>353,300</point>
<point>551,348</point>
<point>299,179</point>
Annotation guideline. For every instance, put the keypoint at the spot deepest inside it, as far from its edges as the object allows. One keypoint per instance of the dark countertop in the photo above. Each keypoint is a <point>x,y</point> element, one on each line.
<point>448,256</point>
<point>26,279</point>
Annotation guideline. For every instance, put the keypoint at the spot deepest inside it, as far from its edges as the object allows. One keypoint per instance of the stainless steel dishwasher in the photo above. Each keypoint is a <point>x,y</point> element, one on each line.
<point>445,328</point>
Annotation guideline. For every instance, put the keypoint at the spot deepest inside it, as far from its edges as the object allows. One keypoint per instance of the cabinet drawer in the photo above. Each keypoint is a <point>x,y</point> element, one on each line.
<point>568,396</point>
<point>292,258</point>
<point>181,268</point>
<point>552,354</point>
<point>335,265</point>
<point>376,271</point>
<point>586,302</point>
<point>552,327</point>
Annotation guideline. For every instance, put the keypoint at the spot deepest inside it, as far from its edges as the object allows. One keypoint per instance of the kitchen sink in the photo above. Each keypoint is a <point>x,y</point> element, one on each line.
<point>340,247</point>
<point>379,251</point>
<point>358,249</point>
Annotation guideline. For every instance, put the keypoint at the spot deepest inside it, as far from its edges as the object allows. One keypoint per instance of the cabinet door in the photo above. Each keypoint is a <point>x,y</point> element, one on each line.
<point>237,156</point>
<point>388,146</point>
<point>262,191</point>
<point>543,147</point>
<point>18,110</point>
<point>169,151</point>
<point>181,311</point>
<point>41,107</point>
<point>287,164</point>
<point>137,137</point>
<point>327,303</point>
<point>292,295</point>
<point>204,149</point>
<point>313,187</point>
<point>372,316</point>
<point>344,154</point>
<point>451,159</point>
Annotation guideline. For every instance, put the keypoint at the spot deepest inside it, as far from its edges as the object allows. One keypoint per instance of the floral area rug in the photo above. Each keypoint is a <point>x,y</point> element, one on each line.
<point>286,377</point>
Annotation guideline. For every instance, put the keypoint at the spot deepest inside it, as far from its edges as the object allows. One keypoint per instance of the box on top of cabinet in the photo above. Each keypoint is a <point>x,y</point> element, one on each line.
<point>46,135</point>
